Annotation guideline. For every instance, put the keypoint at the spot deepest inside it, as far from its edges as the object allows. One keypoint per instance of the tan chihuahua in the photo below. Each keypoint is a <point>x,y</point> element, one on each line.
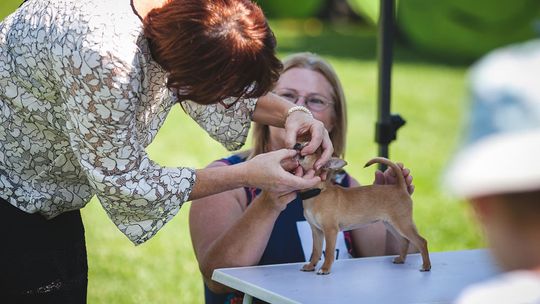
<point>336,209</point>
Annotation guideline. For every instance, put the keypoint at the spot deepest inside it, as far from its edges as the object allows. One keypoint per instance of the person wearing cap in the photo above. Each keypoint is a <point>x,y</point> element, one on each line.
<point>498,171</point>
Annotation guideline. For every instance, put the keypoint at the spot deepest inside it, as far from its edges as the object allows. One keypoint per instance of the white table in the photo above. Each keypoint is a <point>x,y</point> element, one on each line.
<point>365,280</point>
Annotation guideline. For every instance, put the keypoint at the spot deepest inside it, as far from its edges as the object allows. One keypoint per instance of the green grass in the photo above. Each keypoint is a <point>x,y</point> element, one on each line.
<point>7,6</point>
<point>430,95</point>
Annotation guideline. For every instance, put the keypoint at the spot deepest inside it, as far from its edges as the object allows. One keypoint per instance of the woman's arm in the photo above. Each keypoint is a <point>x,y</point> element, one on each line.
<point>272,110</point>
<point>230,234</point>
<point>100,102</point>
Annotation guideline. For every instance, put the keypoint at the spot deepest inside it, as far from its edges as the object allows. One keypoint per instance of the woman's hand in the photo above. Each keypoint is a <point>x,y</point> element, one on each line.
<point>277,201</point>
<point>270,172</point>
<point>272,110</point>
<point>299,124</point>
<point>389,177</point>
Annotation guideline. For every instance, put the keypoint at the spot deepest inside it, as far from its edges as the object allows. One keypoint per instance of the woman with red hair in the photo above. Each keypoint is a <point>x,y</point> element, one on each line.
<point>84,88</point>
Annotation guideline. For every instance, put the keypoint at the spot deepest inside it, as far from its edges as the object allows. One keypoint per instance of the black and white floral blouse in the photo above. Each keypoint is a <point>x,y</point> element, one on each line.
<point>80,99</point>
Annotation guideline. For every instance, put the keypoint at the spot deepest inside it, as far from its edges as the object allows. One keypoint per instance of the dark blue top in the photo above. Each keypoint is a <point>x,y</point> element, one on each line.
<point>284,245</point>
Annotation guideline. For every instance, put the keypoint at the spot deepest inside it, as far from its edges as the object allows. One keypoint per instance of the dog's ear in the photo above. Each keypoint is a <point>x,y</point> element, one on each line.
<point>335,164</point>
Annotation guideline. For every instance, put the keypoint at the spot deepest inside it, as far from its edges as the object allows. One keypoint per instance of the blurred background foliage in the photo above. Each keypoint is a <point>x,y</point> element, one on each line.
<point>437,41</point>
<point>447,29</point>
<point>8,6</point>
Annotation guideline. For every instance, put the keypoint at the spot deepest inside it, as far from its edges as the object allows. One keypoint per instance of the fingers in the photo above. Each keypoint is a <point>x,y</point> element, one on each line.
<point>391,178</point>
<point>411,189</point>
<point>328,151</point>
<point>290,136</point>
<point>407,175</point>
<point>408,179</point>
<point>379,178</point>
<point>309,174</point>
<point>305,182</point>
<point>289,164</point>
<point>405,171</point>
<point>319,138</point>
<point>284,153</point>
<point>314,143</point>
<point>298,123</point>
<point>282,199</point>
<point>298,179</point>
<point>299,171</point>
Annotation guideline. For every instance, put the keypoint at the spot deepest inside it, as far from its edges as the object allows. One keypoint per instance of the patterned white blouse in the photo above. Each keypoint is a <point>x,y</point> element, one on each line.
<point>80,99</point>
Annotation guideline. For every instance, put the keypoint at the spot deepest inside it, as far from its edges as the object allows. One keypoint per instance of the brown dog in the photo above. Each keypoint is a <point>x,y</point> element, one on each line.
<point>337,208</point>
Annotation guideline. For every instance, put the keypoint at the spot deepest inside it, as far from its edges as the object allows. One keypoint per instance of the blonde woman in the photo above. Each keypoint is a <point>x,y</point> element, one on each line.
<point>245,230</point>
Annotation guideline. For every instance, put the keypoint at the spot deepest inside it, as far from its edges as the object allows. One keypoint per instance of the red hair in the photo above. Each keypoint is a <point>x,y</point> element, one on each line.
<point>213,49</point>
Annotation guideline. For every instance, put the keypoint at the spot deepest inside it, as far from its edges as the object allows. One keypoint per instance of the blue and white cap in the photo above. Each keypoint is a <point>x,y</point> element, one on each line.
<point>501,150</point>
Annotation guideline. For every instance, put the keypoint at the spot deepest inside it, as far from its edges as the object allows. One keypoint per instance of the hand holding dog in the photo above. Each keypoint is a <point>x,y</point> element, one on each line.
<point>271,172</point>
<point>277,201</point>
<point>298,124</point>
<point>389,177</point>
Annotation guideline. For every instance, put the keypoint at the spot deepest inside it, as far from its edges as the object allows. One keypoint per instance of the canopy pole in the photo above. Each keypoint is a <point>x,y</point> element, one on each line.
<point>387,124</point>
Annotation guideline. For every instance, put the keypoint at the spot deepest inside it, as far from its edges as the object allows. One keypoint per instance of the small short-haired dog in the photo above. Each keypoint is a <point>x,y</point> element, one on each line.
<point>336,209</point>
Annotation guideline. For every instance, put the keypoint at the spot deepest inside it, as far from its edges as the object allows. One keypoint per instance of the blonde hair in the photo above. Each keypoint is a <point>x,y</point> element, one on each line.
<point>310,61</point>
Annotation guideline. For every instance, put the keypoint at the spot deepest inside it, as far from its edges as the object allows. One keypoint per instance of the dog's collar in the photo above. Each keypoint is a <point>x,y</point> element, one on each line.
<point>309,193</point>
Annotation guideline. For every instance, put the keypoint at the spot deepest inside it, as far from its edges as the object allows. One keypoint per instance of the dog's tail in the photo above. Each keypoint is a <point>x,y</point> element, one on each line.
<point>399,175</point>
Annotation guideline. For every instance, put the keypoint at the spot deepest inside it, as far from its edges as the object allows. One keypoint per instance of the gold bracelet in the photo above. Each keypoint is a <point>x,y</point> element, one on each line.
<point>299,108</point>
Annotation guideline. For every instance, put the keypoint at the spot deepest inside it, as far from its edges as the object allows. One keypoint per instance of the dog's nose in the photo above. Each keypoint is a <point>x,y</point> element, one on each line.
<point>298,146</point>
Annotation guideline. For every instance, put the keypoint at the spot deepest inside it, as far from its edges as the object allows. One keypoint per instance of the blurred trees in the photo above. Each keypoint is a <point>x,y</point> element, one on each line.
<point>291,9</point>
<point>456,29</point>
<point>464,28</point>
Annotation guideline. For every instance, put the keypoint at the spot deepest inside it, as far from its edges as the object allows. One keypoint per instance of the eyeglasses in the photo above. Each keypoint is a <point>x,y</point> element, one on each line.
<point>313,102</point>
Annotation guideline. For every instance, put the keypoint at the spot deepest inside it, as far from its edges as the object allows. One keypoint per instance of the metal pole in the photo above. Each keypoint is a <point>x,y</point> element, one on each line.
<point>387,124</point>
<point>386,33</point>
<point>384,128</point>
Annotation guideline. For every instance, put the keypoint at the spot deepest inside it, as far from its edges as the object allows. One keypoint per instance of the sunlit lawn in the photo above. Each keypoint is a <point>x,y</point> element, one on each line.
<point>430,95</point>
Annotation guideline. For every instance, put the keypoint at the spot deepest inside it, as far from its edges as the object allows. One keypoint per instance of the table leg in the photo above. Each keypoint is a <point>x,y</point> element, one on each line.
<point>247,299</point>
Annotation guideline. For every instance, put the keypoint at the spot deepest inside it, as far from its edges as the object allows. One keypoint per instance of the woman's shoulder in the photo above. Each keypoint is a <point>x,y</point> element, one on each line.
<point>103,26</point>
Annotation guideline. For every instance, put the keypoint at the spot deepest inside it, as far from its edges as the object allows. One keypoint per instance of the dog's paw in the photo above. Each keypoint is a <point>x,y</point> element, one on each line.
<point>323,271</point>
<point>425,268</point>
<point>398,260</point>
<point>308,267</point>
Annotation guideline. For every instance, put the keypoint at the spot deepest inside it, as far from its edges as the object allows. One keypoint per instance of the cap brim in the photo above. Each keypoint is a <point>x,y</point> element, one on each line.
<point>505,163</point>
